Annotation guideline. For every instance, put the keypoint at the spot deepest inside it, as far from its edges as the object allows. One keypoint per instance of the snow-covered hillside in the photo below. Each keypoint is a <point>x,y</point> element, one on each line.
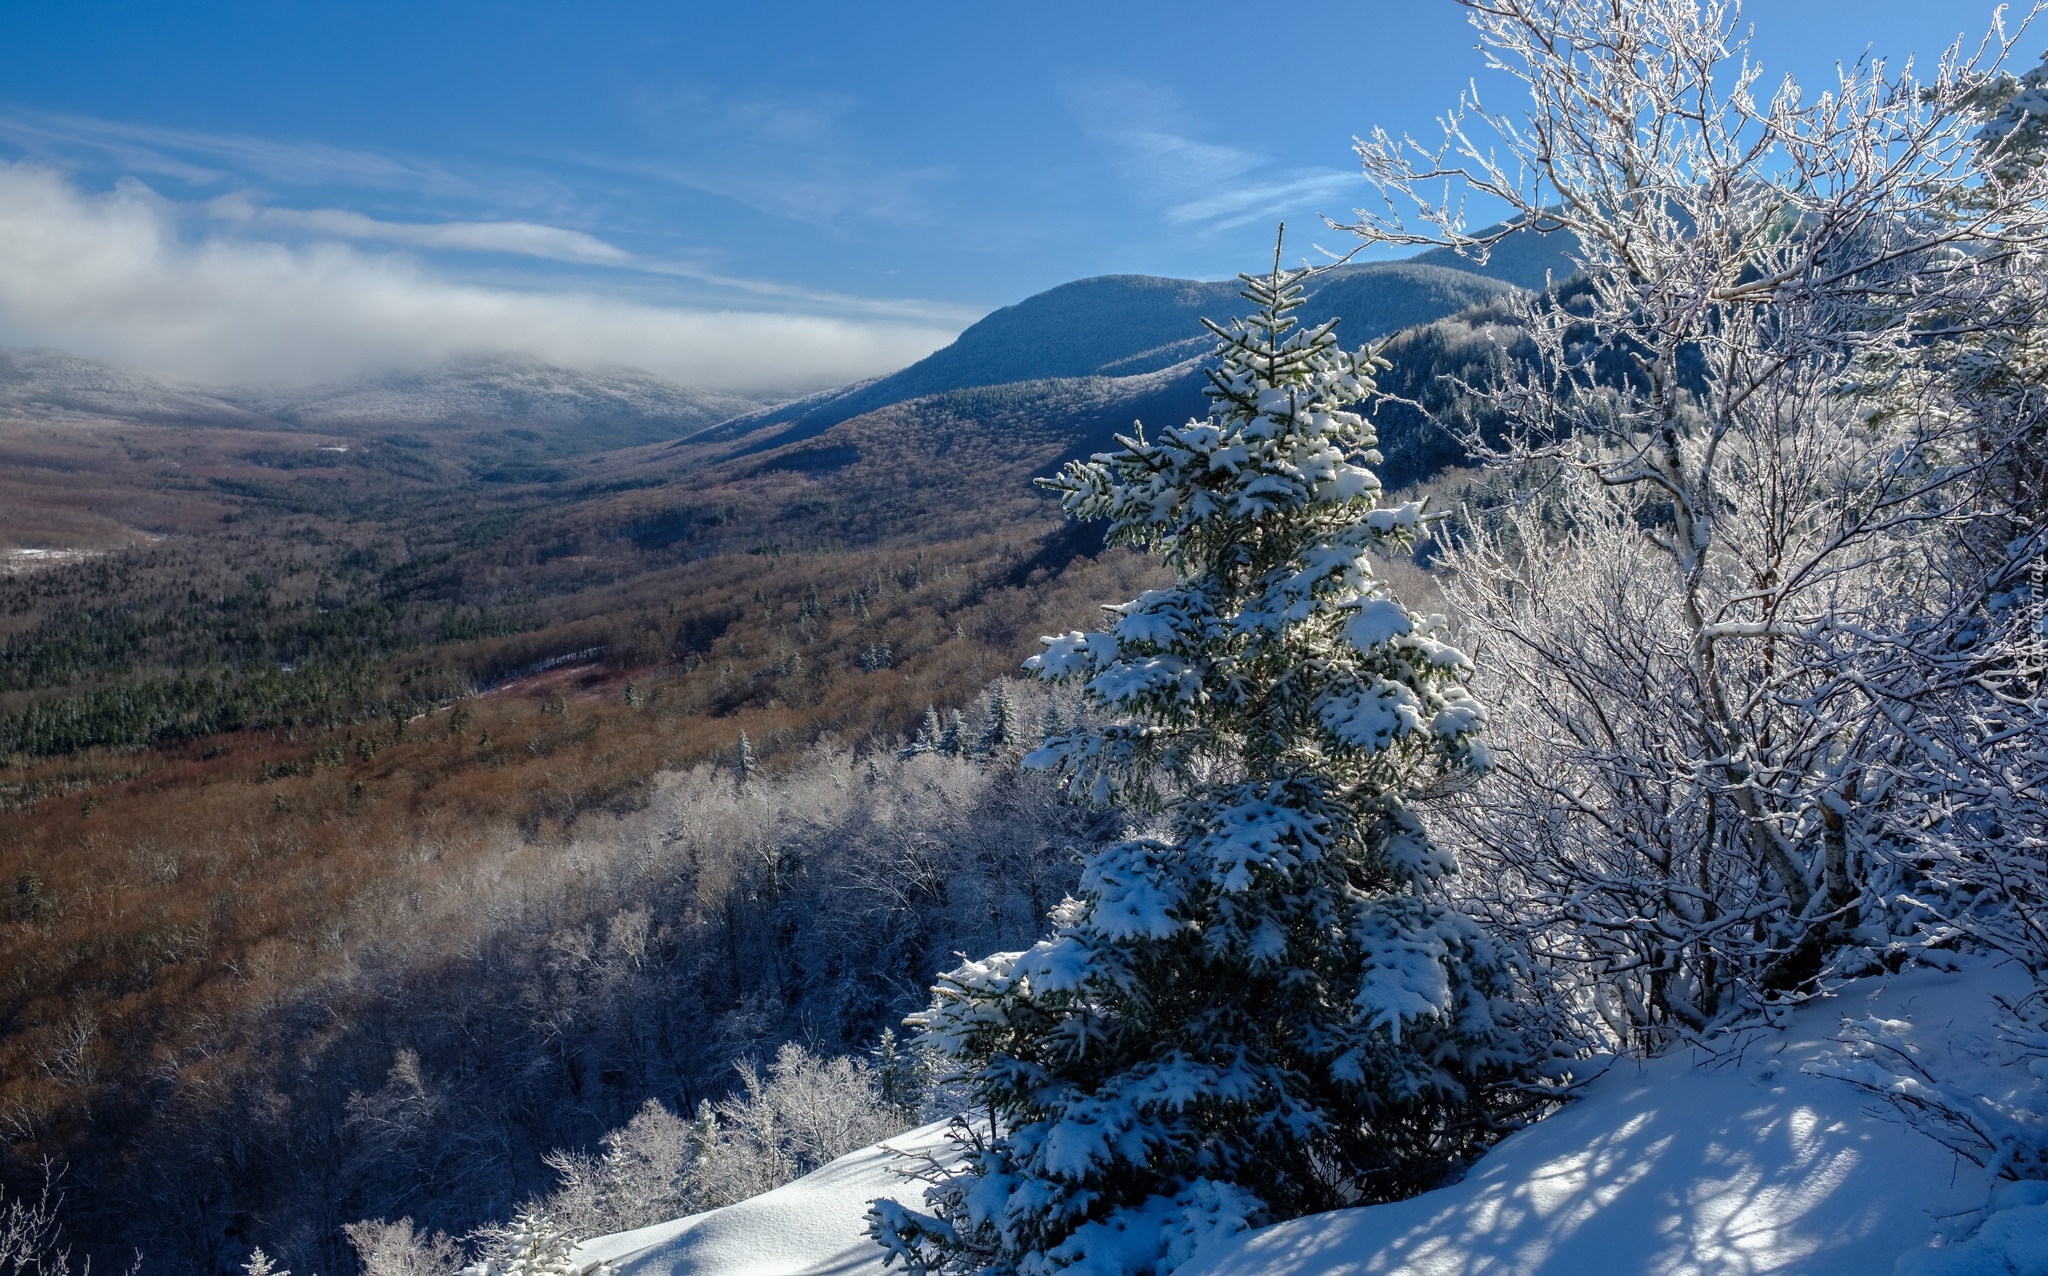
<point>1737,1163</point>
<point>1688,1165</point>
<point>497,392</point>
<point>50,385</point>
<point>617,406</point>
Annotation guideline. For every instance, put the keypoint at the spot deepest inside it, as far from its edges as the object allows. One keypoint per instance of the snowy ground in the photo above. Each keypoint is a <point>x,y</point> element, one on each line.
<point>1684,1166</point>
<point>812,1227</point>
<point>16,561</point>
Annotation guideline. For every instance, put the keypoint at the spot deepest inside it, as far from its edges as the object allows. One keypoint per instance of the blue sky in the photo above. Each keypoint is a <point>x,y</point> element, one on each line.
<point>759,197</point>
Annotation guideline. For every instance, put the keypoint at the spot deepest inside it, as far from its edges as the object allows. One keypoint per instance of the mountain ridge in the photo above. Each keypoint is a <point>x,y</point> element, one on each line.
<point>1121,325</point>
<point>42,382</point>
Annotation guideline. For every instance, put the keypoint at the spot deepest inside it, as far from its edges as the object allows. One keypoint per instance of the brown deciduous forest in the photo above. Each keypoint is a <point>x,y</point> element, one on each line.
<point>324,801</point>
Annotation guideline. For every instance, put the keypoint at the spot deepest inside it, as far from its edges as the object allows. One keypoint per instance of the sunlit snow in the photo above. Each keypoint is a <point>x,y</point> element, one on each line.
<point>1737,1164</point>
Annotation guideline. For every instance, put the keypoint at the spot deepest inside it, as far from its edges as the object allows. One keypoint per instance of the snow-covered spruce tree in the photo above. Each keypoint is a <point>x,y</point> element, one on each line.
<point>951,741</point>
<point>261,1264</point>
<point>1260,1009</point>
<point>1002,733</point>
<point>743,761</point>
<point>929,733</point>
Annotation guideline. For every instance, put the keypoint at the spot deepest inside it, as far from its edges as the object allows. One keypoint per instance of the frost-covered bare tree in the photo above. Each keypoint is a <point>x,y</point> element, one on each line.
<point>400,1249</point>
<point>1723,591</point>
<point>548,994</point>
<point>1981,837</point>
<point>637,1177</point>
<point>31,1239</point>
<point>1974,843</point>
<point>789,1119</point>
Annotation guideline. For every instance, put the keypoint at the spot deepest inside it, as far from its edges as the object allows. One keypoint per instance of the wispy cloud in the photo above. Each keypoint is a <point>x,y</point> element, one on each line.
<point>201,158</point>
<point>906,308</point>
<point>1262,199</point>
<point>556,243</point>
<point>795,158</point>
<point>529,239</point>
<point>788,158</point>
<point>1149,130</point>
<point>1193,183</point>
<point>112,275</point>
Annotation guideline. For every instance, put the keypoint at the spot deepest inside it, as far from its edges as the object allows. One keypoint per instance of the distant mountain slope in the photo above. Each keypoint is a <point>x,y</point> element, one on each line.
<point>583,411</point>
<point>1077,329</point>
<point>1068,331</point>
<point>518,403</point>
<point>52,384</point>
<point>1525,259</point>
<point>1122,325</point>
<point>1377,298</point>
<point>960,460</point>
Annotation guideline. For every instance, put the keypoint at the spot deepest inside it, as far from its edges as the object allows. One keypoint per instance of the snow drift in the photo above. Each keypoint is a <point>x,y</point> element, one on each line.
<point>812,1227</point>
<point>1735,1163</point>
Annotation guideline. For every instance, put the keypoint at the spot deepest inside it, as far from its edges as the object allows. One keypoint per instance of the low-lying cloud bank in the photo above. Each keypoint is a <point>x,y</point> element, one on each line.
<point>112,276</point>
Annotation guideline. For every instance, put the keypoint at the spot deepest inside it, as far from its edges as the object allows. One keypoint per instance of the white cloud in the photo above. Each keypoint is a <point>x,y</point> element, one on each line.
<point>1147,127</point>
<point>110,275</point>
<point>529,239</point>
<point>554,243</point>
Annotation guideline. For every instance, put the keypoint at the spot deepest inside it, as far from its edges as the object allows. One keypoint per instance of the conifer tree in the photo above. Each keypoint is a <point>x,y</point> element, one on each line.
<point>743,762</point>
<point>929,733</point>
<point>703,1138</point>
<point>262,1264</point>
<point>900,1074</point>
<point>1257,1008</point>
<point>999,738</point>
<point>1050,724</point>
<point>950,742</point>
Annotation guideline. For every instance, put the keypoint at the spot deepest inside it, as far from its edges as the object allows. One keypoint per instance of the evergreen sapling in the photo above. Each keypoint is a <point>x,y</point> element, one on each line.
<point>536,1246</point>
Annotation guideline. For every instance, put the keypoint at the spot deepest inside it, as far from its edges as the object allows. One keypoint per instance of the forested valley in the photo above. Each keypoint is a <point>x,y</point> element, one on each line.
<point>423,851</point>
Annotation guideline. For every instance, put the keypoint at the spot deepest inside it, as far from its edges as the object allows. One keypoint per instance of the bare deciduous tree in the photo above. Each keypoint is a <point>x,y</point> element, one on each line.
<point>1723,592</point>
<point>400,1249</point>
<point>31,1239</point>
